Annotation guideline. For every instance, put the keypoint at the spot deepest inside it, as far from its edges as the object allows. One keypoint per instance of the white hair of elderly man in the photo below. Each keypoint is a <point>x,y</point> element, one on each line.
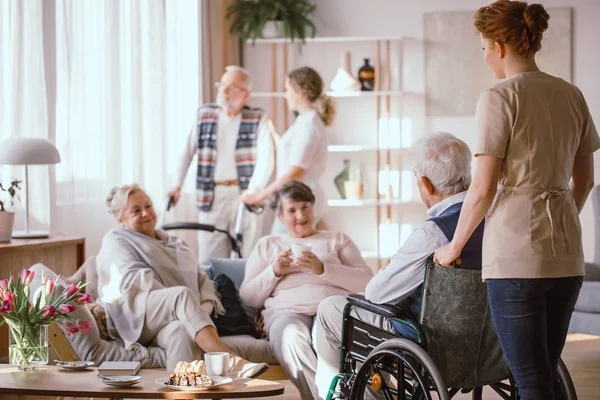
<point>445,160</point>
<point>243,71</point>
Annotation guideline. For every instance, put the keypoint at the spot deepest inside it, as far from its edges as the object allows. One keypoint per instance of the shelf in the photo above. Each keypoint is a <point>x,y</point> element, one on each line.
<point>358,93</point>
<point>330,39</point>
<point>365,202</point>
<point>343,148</point>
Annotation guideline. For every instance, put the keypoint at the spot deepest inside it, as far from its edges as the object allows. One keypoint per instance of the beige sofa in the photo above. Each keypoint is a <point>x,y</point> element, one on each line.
<point>97,347</point>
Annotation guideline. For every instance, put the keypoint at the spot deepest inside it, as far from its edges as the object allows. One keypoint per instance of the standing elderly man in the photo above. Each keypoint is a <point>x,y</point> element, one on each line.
<point>229,139</point>
<point>443,172</point>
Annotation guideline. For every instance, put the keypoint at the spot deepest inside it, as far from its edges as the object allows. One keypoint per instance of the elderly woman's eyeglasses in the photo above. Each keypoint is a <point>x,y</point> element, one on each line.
<point>230,88</point>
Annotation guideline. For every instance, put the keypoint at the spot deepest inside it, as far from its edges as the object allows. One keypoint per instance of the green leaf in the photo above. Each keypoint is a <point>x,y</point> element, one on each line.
<point>248,17</point>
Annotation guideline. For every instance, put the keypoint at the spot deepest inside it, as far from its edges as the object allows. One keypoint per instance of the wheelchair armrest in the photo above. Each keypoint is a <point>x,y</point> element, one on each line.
<point>385,310</point>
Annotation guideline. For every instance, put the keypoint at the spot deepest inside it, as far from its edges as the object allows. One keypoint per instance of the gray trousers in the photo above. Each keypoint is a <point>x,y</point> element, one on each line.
<point>290,338</point>
<point>328,337</point>
<point>223,215</point>
<point>173,318</point>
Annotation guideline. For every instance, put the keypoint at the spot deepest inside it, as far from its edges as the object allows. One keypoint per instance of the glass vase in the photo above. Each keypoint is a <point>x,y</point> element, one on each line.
<point>28,346</point>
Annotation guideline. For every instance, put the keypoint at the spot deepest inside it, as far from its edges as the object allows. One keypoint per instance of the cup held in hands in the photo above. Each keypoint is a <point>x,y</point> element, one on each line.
<point>298,249</point>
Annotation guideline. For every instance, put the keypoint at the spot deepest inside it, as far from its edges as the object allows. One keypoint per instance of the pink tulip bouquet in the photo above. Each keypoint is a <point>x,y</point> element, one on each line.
<point>28,317</point>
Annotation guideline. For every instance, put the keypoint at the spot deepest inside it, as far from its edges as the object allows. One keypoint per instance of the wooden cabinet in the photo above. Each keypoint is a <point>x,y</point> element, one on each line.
<point>62,255</point>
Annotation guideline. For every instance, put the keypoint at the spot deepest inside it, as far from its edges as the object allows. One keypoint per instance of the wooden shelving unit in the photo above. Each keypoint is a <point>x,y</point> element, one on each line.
<point>382,95</point>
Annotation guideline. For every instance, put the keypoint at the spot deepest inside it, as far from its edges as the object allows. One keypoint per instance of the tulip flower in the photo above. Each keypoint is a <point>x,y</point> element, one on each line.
<point>84,326</point>
<point>66,308</point>
<point>84,299</point>
<point>3,285</point>
<point>49,311</point>
<point>27,277</point>
<point>71,290</point>
<point>7,306</point>
<point>49,286</point>
<point>8,296</point>
<point>70,327</point>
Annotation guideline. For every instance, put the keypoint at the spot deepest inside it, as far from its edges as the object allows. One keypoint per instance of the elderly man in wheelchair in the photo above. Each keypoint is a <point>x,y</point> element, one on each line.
<point>421,331</point>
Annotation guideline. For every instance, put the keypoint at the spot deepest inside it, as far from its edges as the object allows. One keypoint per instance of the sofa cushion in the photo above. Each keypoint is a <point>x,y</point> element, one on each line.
<point>589,298</point>
<point>90,346</point>
<point>235,321</point>
<point>583,322</point>
<point>252,349</point>
<point>234,269</point>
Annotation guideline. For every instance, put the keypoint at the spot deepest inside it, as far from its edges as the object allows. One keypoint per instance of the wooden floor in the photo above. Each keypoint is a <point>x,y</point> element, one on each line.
<point>581,354</point>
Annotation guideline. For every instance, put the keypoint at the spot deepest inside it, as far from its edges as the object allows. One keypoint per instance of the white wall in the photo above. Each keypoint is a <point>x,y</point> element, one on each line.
<point>356,118</point>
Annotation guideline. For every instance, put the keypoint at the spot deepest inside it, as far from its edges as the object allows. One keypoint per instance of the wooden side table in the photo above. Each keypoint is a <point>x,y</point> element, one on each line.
<point>62,255</point>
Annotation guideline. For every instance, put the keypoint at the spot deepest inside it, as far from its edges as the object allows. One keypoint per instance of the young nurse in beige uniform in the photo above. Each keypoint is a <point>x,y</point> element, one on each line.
<point>536,138</point>
<point>302,150</point>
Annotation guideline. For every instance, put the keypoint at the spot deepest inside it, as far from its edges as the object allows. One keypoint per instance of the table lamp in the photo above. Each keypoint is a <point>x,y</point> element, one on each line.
<point>28,151</point>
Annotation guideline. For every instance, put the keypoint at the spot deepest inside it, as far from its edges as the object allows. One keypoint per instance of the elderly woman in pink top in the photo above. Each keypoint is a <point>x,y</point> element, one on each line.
<point>290,290</point>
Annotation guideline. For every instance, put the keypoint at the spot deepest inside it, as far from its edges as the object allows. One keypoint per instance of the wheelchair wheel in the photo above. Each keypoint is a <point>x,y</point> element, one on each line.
<point>398,369</point>
<point>563,386</point>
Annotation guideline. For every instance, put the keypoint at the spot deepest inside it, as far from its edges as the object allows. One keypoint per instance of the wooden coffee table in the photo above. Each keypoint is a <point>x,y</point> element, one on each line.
<point>54,381</point>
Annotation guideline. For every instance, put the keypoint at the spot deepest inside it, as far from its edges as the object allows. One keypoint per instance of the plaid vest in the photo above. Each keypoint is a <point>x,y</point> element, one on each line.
<point>206,149</point>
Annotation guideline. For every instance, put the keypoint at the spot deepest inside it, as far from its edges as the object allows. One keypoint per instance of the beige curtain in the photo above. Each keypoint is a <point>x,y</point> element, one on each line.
<point>219,47</point>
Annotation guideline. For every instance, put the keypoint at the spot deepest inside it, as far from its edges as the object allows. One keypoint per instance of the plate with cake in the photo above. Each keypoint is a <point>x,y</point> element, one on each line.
<point>191,377</point>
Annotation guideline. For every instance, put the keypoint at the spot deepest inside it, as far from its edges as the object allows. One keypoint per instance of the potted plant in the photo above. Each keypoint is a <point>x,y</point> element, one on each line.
<point>252,19</point>
<point>7,218</point>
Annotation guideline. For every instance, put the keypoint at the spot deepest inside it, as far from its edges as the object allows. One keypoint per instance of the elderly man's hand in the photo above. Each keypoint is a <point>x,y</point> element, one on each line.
<point>309,261</point>
<point>175,193</point>
<point>446,255</point>
<point>284,266</point>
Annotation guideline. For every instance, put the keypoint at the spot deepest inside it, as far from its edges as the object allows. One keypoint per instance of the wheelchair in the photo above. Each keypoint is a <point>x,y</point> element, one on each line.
<point>455,348</point>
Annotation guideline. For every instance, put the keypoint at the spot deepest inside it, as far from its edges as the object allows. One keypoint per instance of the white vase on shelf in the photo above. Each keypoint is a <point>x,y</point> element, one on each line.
<point>273,30</point>
<point>343,80</point>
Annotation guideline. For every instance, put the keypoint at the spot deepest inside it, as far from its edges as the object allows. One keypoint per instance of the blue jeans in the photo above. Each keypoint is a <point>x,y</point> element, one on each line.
<point>532,318</point>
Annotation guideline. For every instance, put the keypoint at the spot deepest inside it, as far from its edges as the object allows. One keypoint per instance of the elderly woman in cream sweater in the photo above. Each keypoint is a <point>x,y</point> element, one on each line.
<point>289,292</point>
<point>153,289</point>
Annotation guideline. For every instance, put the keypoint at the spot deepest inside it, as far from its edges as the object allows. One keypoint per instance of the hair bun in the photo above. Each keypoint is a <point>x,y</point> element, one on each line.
<point>111,196</point>
<point>536,18</point>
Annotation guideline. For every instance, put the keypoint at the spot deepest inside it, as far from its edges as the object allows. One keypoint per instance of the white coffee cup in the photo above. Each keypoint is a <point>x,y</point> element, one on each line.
<point>298,249</point>
<point>217,363</point>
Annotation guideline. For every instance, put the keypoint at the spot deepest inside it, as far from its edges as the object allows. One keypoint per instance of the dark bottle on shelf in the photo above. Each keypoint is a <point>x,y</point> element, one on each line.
<point>366,76</point>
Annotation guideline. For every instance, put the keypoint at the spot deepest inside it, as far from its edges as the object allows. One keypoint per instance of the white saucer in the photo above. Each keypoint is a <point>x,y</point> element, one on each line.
<point>120,381</point>
<point>75,365</point>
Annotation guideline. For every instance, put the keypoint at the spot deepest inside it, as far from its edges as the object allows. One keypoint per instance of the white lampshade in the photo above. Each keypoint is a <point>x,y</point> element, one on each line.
<point>28,151</point>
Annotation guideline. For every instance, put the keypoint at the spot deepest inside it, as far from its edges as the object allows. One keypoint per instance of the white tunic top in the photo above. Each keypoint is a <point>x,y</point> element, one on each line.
<point>304,145</point>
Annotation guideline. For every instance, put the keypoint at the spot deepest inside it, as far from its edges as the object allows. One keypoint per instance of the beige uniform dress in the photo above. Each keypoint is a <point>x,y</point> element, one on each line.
<point>532,229</point>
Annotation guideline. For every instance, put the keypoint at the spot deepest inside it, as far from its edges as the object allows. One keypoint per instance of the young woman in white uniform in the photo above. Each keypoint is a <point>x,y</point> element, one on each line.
<point>302,150</point>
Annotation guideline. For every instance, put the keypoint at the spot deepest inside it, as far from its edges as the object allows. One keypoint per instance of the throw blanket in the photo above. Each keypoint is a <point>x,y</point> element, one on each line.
<point>131,264</point>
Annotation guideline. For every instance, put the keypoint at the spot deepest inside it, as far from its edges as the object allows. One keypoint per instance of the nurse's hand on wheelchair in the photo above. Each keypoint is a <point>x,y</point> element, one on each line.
<point>447,256</point>
<point>284,265</point>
